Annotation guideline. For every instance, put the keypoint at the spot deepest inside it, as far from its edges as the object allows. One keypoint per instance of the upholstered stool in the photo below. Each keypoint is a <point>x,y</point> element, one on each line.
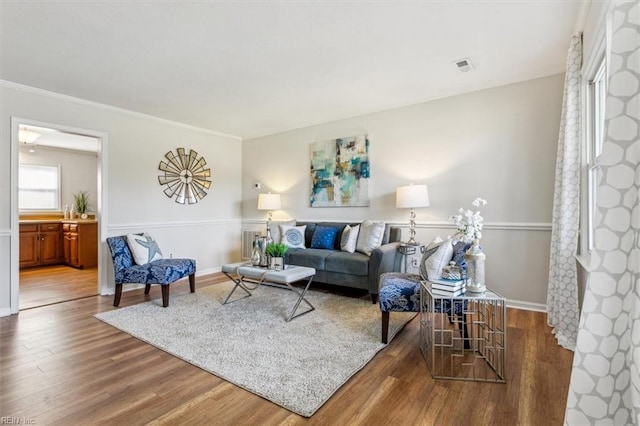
<point>400,292</point>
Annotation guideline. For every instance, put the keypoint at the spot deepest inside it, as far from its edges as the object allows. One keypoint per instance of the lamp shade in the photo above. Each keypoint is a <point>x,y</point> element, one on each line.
<point>269,202</point>
<point>411,196</point>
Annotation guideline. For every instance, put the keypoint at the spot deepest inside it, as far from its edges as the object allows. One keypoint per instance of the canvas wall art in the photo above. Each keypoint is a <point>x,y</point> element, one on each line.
<point>340,172</point>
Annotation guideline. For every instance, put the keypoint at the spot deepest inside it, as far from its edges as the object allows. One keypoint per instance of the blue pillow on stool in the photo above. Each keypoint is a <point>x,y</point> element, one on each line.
<point>459,249</point>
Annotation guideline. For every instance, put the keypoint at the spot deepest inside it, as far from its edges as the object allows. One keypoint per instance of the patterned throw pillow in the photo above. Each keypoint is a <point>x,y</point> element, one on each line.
<point>349,238</point>
<point>370,236</point>
<point>293,236</point>
<point>436,256</point>
<point>143,248</point>
<point>459,249</point>
<point>324,237</point>
<point>276,229</point>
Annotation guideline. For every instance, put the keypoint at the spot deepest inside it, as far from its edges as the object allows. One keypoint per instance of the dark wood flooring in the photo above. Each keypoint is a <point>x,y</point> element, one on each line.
<point>59,365</point>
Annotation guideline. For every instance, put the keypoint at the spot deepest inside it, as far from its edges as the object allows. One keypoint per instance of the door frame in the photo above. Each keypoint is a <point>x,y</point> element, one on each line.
<point>101,210</point>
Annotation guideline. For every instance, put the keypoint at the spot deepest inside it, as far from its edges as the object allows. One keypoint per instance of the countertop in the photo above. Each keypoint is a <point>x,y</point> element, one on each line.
<point>71,221</point>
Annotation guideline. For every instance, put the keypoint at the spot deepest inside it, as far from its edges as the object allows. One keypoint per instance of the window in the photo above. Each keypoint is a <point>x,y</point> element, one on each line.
<point>596,99</point>
<point>38,187</point>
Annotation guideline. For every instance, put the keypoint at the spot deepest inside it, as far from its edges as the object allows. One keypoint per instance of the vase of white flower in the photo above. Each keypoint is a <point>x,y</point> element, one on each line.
<point>469,225</point>
<point>475,258</point>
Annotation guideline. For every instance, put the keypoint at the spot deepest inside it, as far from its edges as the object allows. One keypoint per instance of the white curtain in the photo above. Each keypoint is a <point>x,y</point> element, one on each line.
<point>562,293</point>
<point>605,380</point>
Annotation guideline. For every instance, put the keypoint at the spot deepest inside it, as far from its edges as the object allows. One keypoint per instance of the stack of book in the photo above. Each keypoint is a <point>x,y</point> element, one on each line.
<point>447,288</point>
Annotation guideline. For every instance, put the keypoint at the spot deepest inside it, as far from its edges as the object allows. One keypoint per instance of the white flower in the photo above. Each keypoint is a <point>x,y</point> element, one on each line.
<point>469,223</point>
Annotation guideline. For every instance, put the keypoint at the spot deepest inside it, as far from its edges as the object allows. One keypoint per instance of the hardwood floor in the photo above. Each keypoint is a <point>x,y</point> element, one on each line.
<point>53,284</point>
<point>59,365</point>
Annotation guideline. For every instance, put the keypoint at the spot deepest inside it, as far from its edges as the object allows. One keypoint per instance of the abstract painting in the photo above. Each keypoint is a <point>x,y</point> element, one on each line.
<point>340,172</point>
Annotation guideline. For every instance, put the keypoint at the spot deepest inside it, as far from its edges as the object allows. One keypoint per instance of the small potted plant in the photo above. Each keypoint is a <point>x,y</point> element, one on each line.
<point>81,202</point>
<point>275,253</point>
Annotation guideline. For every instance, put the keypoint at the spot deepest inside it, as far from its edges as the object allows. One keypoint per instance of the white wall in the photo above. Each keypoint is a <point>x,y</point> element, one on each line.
<point>78,171</point>
<point>208,231</point>
<point>499,144</point>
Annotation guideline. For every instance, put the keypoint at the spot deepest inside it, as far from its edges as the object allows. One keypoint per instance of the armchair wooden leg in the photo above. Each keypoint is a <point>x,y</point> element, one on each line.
<point>192,283</point>
<point>147,288</point>
<point>116,298</point>
<point>385,326</point>
<point>374,298</point>
<point>165,295</point>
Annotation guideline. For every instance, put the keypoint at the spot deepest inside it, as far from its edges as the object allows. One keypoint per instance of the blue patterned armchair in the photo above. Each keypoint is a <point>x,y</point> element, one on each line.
<point>163,271</point>
<point>400,292</point>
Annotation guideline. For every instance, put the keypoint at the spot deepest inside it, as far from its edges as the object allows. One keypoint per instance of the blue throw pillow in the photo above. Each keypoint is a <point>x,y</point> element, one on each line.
<point>459,249</point>
<point>324,237</point>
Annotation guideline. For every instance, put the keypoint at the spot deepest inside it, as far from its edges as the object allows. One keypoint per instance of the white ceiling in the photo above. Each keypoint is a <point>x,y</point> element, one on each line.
<point>256,68</point>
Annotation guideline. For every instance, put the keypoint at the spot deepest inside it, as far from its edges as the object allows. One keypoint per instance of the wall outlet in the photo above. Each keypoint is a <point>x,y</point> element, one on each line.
<point>170,255</point>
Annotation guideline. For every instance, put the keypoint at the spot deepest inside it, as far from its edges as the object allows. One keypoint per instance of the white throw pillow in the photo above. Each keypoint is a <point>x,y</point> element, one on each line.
<point>436,256</point>
<point>370,236</point>
<point>276,229</point>
<point>349,238</point>
<point>293,236</point>
<point>143,248</point>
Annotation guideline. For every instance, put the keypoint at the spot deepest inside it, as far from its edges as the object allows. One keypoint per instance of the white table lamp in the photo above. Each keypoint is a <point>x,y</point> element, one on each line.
<point>410,197</point>
<point>269,202</point>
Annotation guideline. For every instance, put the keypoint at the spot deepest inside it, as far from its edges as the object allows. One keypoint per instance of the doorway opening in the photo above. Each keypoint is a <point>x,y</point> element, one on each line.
<point>59,202</point>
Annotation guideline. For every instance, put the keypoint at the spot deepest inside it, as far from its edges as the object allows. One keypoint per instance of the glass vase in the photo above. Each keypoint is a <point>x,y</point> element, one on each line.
<point>475,259</point>
<point>255,254</point>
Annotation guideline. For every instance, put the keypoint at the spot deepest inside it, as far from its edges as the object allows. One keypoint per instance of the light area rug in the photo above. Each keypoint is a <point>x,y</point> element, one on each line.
<point>297,365</point>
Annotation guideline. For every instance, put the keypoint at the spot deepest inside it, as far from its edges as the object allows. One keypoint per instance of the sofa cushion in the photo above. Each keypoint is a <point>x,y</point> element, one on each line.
<point>308,233</point>
<point>386,235</point>
<point>349,238</point>
<point>143,248</point>
<point>163,271</point>
<point>324,237</point>
<point>293,236</point>
<point>436,256</point>
<point>370,236</point>
<point>311,258</point>
<point>276,229</point>
<point>347,263</point>
<point>340,226</point>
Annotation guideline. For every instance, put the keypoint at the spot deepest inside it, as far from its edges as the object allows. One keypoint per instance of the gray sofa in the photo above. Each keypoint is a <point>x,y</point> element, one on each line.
<point>341,268</point>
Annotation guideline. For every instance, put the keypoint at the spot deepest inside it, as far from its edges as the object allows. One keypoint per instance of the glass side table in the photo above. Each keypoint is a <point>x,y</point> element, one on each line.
<point>408,251</point>
<point>464,337</point>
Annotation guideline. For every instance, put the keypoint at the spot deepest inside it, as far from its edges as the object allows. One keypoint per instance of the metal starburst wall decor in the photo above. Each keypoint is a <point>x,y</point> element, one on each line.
<point>185,176</point>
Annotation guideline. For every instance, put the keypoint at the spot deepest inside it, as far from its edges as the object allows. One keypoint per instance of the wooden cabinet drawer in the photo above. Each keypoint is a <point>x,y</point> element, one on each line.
<point>28,227</point>
<point>53,227</point>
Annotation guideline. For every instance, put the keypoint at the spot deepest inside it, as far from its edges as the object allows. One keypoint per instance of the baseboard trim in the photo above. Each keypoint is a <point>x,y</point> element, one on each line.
<point>527,306</point>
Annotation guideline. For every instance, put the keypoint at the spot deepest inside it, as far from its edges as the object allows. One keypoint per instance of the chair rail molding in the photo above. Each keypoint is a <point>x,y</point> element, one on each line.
<point>505,226</point>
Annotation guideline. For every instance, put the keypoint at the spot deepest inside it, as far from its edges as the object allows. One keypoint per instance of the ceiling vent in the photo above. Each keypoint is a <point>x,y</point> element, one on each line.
<point>464,65</point>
